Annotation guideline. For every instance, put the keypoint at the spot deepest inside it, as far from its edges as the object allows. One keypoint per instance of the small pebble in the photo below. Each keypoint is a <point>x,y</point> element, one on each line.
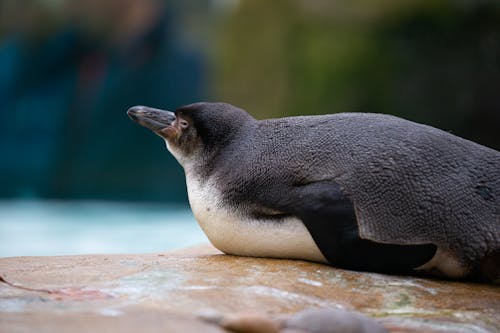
<point>333,321</point>
<point>251,323</point>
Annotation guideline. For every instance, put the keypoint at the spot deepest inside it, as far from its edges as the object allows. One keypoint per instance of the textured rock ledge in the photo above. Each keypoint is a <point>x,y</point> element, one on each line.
<point>165,293</point>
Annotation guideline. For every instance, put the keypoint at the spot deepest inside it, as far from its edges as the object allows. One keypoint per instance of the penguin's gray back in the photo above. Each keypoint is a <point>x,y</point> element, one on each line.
<point>409,183</point>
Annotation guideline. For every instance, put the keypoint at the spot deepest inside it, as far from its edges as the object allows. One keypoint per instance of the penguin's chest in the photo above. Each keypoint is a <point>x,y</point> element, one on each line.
<point>233,232</point>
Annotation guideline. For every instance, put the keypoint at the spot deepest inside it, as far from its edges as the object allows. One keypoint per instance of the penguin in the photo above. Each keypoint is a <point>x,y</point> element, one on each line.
<point>359,191</point>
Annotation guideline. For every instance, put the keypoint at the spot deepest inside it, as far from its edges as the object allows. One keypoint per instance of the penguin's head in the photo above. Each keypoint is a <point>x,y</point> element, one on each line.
<point>195,130</point>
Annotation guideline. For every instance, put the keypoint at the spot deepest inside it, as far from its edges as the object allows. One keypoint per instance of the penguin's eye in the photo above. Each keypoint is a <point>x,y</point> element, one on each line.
<point>183,123</point>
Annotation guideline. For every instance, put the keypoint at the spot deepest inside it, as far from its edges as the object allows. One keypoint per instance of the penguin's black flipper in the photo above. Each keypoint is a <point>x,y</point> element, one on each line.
<point>330,218</point>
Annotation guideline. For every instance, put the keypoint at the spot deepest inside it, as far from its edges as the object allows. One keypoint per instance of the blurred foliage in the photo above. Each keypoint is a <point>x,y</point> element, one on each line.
<point>436,62</point>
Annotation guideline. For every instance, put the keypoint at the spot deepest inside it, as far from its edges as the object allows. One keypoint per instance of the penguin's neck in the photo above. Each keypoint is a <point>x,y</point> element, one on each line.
<point>232,231</point>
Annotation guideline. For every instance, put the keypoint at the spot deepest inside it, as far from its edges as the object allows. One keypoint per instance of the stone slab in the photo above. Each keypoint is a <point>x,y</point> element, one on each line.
<point>166,292</point>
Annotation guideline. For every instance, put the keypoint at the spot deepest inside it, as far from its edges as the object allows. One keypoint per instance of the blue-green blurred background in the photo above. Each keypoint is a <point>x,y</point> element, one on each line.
<point>69,69</point>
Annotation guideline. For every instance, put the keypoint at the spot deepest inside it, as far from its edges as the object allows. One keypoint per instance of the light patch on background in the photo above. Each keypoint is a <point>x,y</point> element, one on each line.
<point>59,228</point>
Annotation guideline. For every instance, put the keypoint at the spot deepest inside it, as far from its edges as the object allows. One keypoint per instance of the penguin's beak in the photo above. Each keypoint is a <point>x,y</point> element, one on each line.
<point>154,119</point>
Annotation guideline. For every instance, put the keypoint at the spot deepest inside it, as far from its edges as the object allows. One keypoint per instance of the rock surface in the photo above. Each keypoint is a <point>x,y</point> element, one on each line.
<point>169,292</point>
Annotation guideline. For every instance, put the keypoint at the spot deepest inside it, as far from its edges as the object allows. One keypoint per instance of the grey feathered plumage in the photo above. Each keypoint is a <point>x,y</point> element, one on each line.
<point>410,183</point>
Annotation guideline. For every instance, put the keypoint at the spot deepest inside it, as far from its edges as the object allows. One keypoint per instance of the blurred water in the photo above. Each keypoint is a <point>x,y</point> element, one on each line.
<point>61,227</point>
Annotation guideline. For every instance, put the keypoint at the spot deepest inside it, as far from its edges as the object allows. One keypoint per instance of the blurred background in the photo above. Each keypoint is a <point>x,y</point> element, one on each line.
<point>77,176</point>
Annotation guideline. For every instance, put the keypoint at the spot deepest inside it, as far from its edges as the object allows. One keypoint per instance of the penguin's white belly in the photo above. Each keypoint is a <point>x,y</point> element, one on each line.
<point>233,233</point>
